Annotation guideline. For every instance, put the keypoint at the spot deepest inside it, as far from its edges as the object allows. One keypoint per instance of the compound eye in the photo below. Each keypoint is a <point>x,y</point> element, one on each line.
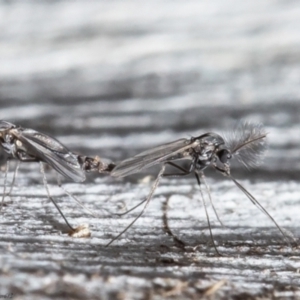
<point>224,155</point>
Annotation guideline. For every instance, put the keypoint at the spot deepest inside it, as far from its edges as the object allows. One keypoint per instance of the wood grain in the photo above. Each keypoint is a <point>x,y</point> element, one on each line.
<point>115,78</point>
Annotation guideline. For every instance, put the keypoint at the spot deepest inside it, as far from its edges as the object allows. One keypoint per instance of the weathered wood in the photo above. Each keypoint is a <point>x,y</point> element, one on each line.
<point>114,78</point>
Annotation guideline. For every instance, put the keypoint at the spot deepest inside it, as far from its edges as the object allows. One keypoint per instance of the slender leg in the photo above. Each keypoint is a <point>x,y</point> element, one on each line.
<point>255,202</point>
<point>260,207</point>
<point>78,201</point>
<point>185,172</point>
<point>14,178</point>
<point>131,209</point>
<point>154,186</point>
<point>73,197</point>
<point>5,180</point>
<point>167,229</point>
<point>210,199</point>
<point>207,216</point>
<point>48,193</point>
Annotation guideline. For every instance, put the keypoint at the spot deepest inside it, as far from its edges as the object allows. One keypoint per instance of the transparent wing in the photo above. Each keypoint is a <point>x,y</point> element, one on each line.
<point>149,158</point>
<point>51,151</point>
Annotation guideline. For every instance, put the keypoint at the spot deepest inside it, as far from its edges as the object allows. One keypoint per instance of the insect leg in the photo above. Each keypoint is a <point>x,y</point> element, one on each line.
<point>167,229</point>
<point>261,208</point>
<point>12,183</point>
<point>154,186</point>
<point>131,209</point>
<point>78,201</point>
<point>4,186</point>
<point>48,193</point>
<point>206,213</point>
<point>185,172</point>
<point>210,199</point>
<point>14,178</point>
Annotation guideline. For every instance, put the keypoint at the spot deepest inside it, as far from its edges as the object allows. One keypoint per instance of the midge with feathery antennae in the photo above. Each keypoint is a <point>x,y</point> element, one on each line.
<point>247,144</point>
<point>28,145</point>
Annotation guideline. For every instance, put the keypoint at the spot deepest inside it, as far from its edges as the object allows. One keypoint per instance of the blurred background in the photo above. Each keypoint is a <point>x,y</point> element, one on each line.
<point>112,78</point>
<point>109,78</point>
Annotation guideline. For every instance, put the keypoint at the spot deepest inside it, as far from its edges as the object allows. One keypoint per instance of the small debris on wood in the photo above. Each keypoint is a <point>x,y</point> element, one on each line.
<point>82,231</point>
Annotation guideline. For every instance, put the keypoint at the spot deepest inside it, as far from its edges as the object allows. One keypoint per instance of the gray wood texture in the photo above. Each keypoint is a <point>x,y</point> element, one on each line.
<point>112,78</point>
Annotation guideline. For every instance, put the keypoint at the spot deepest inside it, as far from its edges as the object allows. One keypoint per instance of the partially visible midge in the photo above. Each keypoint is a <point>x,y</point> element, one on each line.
<point>28,145</point>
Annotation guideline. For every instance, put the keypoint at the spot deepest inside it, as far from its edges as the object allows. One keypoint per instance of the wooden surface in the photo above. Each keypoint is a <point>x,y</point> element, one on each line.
<point>114,78</point>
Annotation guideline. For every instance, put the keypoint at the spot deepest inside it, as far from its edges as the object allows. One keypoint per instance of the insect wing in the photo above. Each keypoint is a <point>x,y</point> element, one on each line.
<point>4,125</point>
<point>51,151</point>
<point>149,158</point>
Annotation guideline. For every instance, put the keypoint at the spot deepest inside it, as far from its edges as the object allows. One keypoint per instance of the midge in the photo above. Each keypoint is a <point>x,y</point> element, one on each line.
<point>28,145</point>
<point>247,144</point>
